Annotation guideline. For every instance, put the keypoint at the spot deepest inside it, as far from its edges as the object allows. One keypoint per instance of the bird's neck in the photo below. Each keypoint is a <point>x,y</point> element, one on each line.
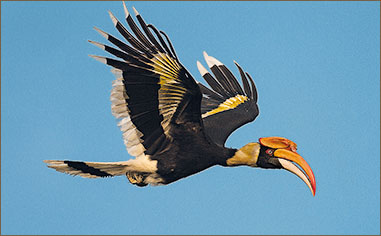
<point>247,155</point>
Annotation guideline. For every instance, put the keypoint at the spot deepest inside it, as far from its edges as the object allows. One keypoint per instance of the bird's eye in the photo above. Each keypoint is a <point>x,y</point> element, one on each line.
<point>270,152</point>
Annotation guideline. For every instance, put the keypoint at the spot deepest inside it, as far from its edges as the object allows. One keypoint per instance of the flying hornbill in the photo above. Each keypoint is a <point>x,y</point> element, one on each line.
<point>174,126</point>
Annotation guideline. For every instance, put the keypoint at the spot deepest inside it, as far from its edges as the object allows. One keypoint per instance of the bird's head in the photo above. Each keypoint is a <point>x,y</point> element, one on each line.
<point>275,153</point>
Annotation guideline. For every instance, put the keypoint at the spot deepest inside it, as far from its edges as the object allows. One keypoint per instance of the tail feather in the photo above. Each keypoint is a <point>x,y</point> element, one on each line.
<point>89,169</point>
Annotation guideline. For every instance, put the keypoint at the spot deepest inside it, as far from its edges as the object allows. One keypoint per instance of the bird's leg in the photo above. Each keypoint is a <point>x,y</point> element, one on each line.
<point>137,178</point>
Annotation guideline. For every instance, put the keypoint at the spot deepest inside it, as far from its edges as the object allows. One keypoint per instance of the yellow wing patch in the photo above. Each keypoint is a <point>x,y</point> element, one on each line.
<point>171,90</point>
<point>230,103</point>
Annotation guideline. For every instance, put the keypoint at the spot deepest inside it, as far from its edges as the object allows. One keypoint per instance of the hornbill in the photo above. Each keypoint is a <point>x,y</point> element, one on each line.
<point>172,125</point>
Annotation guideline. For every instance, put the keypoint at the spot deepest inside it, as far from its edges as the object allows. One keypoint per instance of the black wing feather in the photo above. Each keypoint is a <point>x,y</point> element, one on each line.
<point>215,85</point>
<point>223,112</point>
<point>142,38</point>
<point>149,34</point>
<point>223,80</point>
<point>236,87</point>
<point>129,37</point>
<point>157,33</point>
<point>124,47</point>
<point>253,88</point>
<point>152,91</point>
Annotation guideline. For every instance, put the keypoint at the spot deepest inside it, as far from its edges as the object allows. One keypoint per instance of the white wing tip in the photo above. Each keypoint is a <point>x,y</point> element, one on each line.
<point>113,18</point>
<point>201,69</point>
<point>136,12</point>
<point>100,59</point>
<point>101,32</point>
<point>236,63</point>
<point>125,9</point>
<point>211,61</point>
<point>101,46</point>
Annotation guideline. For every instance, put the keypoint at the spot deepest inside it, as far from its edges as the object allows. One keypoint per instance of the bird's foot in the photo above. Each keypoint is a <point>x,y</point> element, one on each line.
<point>137,178</point>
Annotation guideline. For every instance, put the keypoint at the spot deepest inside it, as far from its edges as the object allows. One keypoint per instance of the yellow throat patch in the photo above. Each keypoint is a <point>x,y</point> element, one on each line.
<point>247,155</point>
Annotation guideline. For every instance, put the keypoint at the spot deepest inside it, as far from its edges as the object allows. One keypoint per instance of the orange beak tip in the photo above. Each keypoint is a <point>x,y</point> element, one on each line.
<point>286,159</point>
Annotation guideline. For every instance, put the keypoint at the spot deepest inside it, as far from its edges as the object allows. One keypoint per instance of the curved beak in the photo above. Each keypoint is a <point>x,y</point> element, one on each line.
<point>286,159</point>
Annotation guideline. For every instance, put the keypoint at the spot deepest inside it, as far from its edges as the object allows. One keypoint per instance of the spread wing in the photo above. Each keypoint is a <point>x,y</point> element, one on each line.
<point>152,90</point>
<point>226,106</point>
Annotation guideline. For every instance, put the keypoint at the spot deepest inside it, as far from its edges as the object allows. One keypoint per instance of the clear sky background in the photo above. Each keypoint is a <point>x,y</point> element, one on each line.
<point>317,70</point>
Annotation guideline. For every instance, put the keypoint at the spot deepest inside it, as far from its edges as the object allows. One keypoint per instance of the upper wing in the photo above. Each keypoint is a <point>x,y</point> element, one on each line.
<point>152,89</point>
<point>226,106</point>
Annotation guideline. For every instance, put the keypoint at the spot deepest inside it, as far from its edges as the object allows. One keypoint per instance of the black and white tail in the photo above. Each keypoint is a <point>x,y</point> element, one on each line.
<point>90,169</point>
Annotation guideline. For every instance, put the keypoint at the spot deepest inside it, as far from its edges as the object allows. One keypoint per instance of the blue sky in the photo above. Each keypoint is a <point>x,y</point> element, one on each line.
<point>317,70</point>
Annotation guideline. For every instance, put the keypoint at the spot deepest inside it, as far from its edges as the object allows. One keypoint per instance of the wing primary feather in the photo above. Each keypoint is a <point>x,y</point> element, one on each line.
<point>135,11</point>
<point>201,69</point>
<point>121,54</point>
<point>138,32</point>
<point>213,64</point>
<point>148,32</point>
<point>125,9</point>
<point>101,32</point>
<point>223,80</point>
<point>246,86</point>
<point>233,81</point>
<point>100,59</point>
<point>126,67</point>
<point>242,73</point>
<point>128,49</point>
<point>170,45</point>
<point>160,39</point>
<point>100,45</point>
<point>253,88</point>
<point>211,60</point>
<point>214,84</point>
<point>128,36</point>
